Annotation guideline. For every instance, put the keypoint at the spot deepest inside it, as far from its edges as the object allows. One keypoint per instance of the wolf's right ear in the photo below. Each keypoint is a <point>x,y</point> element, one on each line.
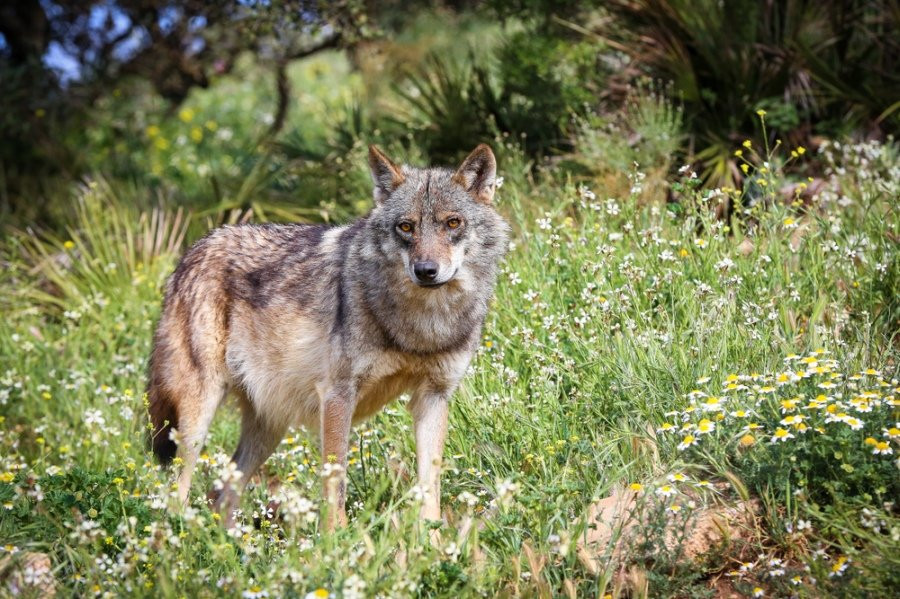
<point>385,174</point>
<point>478,173</point>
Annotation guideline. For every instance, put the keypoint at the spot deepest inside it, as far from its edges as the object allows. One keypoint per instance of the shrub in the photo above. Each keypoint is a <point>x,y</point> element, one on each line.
<point>532,89</point>
<point>816,67</point>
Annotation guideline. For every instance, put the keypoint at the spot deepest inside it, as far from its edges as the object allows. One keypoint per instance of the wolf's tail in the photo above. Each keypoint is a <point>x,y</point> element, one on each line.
<point>163,417</point>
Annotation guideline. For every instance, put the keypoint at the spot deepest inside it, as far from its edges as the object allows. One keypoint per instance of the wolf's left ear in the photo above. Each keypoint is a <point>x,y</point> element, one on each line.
<point>385,174</point>
<point>478,173</point>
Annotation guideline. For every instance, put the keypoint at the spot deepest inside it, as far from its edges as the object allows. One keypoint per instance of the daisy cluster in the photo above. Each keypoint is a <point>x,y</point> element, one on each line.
<point>810,397</point>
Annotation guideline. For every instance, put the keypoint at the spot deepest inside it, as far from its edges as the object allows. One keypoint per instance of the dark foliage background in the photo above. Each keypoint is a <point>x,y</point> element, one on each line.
<point>82,79</point>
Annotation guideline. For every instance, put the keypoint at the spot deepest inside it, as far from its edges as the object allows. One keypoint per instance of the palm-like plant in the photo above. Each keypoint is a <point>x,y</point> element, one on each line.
<point>450,103</point>
<point>814,66</point>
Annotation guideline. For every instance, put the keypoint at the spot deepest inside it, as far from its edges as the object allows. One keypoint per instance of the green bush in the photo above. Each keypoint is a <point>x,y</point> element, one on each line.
<point>532,88</point>
<point>818,68</point>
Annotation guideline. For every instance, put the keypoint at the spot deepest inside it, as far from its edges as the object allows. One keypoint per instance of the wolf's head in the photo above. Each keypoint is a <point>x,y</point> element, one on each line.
<point>438,224</point>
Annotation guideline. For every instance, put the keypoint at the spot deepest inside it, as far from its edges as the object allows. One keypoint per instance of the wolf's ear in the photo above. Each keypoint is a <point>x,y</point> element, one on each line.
<point>385,174</point>
<point>478,173</point>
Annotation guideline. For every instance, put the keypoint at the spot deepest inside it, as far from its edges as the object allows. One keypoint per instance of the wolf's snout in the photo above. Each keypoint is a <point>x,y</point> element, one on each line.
<point>426,270</point>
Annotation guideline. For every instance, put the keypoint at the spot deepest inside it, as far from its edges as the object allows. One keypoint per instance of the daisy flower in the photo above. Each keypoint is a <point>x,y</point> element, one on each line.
<point>882,448</point>
<point>712,404</point>
<point>839,566</point>
<point>666,491</point>
<point>854,423</point>
<point>687,441</point>
<point>781,434</point>
<point>788,405</point>
<point>792,419</point>
<point>705,426</point>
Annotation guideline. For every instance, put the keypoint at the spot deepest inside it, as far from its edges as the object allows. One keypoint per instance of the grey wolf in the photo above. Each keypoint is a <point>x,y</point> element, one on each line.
<point>322,326</point>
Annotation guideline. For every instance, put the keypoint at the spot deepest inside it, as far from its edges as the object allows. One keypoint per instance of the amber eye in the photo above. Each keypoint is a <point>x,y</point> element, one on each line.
<point>453,223</point>
<point>405,227</point>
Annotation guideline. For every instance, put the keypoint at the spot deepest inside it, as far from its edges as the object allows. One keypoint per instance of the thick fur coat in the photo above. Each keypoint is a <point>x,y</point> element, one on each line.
<point>322,326</point>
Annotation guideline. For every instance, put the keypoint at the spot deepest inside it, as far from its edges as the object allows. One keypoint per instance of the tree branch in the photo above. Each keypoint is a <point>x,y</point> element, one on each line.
<point>283,84</point>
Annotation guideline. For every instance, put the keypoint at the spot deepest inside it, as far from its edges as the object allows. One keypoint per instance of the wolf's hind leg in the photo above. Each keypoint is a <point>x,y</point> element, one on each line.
<point>259,438</point>
<point>193,431</point>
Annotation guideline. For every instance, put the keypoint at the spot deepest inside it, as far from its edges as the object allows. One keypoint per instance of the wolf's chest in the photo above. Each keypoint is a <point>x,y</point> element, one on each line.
<point>375,393</point>
<point>283,375</point>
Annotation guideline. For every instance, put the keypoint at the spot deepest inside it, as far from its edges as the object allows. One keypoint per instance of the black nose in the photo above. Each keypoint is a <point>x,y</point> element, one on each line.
<point>426,270</point>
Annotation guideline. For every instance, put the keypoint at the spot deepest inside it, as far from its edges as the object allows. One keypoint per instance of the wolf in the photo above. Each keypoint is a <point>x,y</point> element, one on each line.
<point>323,326</point>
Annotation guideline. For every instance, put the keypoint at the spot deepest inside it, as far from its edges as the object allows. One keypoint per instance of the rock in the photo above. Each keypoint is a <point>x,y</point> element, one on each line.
<point>28,573</point>
<point>614,525</point>
<point>715,526</point>
<point>608,519</point>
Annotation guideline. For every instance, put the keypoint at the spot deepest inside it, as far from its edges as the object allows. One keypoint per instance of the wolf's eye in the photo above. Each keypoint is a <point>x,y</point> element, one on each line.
<point>453,223</point>
<point>405,227</point>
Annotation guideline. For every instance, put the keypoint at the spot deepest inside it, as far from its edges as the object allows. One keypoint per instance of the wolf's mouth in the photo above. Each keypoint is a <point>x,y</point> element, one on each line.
<point>436,284</point>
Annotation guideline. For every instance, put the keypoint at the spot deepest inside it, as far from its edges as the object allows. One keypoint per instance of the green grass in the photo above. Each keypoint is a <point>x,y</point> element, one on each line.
<point>610,308</point>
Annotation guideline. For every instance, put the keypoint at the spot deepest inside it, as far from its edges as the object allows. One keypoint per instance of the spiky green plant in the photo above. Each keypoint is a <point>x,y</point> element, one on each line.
<point>109,244</point>
<point>815,67</point>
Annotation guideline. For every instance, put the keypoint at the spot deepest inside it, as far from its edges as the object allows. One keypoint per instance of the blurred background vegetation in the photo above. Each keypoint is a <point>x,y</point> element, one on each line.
<point>130,127</point>
<point>239,107</point>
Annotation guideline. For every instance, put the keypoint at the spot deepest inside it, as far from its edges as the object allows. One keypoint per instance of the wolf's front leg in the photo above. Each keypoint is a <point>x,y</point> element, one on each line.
<point>429,410</point>
<point>336,407</point>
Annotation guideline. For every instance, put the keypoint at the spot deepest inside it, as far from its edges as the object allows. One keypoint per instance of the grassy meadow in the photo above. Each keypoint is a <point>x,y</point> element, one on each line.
<point>649,368</point>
